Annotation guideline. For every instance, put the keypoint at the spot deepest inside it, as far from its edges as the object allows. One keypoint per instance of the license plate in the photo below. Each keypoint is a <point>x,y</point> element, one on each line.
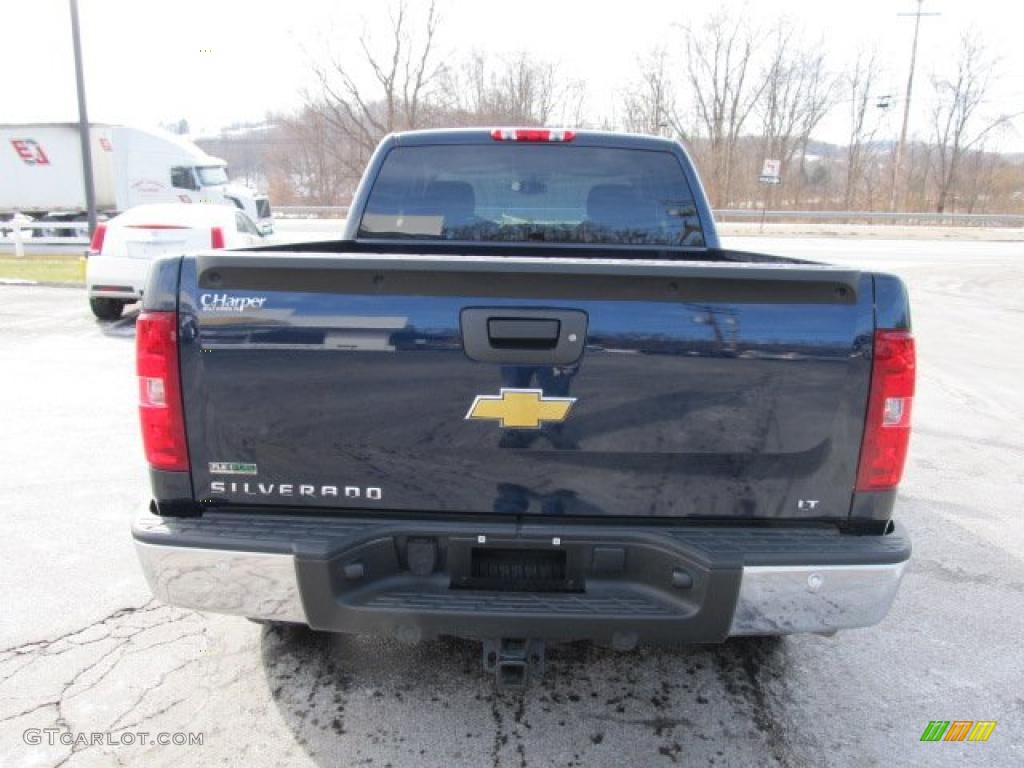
<point>151,250</point>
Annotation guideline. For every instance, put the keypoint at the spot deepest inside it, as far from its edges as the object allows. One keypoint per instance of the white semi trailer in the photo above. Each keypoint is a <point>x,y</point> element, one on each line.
<point>41,172</point>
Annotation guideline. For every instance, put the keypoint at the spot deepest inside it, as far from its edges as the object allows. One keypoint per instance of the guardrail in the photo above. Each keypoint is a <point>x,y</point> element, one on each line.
<point>17,229</point>
<point>943,219</point>
<point>311,211</point>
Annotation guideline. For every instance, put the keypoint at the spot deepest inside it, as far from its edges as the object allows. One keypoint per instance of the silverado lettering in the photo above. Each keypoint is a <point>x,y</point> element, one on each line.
<point>666,441</point>
<point>218,487</point>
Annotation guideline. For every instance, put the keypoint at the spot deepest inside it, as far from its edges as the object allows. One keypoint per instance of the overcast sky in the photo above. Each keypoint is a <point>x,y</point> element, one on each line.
<point>215,62</point>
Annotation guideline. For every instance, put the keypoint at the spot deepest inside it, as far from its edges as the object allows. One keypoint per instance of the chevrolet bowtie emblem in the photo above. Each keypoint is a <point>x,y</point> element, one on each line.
<point>521,408</point>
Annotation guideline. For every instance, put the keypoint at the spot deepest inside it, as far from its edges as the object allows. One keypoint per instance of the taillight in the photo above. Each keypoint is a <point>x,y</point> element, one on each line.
<point>531,134</point>
<point>160,407</point>
<point>216,237</point>
<point>883,449</point>
<point>96,244</point>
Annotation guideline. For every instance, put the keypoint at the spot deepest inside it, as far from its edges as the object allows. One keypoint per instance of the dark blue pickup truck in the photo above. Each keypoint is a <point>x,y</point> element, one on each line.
<point>526,397</point>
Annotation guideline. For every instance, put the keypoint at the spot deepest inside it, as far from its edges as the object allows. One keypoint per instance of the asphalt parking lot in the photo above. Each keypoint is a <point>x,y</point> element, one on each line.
<point>85,650</point>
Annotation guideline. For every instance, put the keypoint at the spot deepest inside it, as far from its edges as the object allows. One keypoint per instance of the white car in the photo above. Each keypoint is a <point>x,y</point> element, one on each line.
<point>123,248</point>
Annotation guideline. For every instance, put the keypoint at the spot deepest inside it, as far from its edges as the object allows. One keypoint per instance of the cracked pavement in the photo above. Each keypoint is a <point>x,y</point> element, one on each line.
<point>84,648</point>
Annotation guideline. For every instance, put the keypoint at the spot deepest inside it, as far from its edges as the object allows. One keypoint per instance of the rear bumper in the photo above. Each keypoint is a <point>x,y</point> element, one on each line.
<point>637,583</point>
<point>116,277</point>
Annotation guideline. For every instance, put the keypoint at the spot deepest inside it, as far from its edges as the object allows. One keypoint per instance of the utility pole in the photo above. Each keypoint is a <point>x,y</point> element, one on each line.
<point>902,145</point>
<point>83,121</point>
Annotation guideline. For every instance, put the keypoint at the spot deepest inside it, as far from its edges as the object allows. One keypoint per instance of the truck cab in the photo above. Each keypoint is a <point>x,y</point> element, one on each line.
<point>158,167</point>
<point>209,182</point>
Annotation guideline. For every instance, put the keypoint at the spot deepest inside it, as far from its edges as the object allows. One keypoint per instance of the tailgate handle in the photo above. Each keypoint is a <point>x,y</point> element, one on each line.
<point>522,333</point>
<point>523,336</point>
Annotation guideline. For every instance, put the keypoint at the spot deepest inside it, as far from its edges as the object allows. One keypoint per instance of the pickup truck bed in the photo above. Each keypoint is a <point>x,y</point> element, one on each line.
<point>525,442</point>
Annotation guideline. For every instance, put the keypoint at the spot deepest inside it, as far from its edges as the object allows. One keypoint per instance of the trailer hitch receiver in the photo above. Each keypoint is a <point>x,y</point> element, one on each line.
<point>514,661</point>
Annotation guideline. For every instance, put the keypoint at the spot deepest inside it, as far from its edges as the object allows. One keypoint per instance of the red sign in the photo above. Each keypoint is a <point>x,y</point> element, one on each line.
<point>30,151</point>
<point>105,143</point>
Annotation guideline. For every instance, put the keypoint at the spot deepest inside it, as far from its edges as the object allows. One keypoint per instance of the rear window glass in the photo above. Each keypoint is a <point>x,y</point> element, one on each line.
<point>532,193</point>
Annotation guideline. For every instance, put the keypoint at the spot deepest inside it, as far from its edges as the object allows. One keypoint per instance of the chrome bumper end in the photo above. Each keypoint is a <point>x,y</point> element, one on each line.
<point>257,585</point>
<point>784,600</point>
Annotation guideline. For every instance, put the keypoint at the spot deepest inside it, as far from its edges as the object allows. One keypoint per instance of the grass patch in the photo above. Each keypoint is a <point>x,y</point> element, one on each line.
<point>44,268</point>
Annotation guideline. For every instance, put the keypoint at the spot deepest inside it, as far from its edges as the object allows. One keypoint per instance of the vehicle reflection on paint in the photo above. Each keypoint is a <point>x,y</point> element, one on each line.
<point>513,498</point>
<point>554,382</point>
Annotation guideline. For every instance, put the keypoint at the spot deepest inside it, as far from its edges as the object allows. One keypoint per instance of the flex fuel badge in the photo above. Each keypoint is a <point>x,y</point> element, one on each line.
<point>231,468</point>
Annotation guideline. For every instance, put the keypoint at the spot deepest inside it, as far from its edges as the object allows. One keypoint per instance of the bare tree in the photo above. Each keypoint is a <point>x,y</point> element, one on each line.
<point>735,98</point>
<point>318,158</point>
<point>649,103</point>
<point>574,104</point>
<point>859,84</point>
<point>523,91</point>
<point>798,92</point>
<point>516,90</point>
<point>402,72</point>
<point>719,70</point>
<point>957,123</point>
<point>977,179</point>
<point>781,99</point>
<point>820,94</point>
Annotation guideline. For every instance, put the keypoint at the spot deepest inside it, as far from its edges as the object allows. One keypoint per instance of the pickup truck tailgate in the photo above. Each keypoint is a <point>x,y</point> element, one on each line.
<point>692,390</point>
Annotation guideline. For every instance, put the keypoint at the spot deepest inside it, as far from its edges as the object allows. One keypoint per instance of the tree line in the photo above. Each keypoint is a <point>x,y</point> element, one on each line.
<point>736,95</point>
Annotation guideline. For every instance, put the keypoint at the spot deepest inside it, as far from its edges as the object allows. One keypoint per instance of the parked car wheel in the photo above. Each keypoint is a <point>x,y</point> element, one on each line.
<point>106,309</point>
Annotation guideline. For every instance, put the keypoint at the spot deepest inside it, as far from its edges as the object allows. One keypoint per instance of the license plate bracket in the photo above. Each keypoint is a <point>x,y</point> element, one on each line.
<point>514,567</point>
